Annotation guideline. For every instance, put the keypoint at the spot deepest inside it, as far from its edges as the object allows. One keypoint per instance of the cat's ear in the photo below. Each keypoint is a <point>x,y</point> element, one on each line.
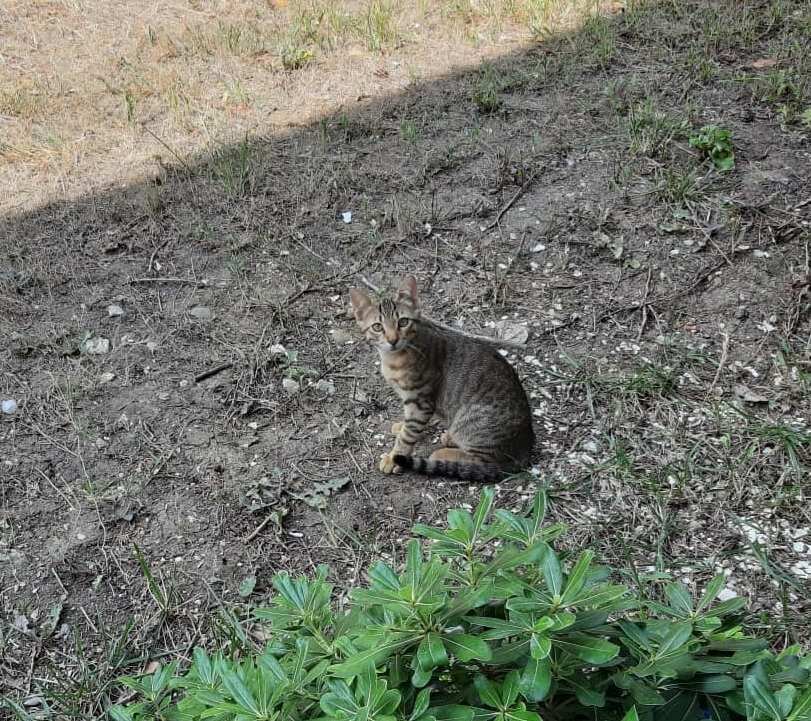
<point>360,303</point>
<point>408,290</point>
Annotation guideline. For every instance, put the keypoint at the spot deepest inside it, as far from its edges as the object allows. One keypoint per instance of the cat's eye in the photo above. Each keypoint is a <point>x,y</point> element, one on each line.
<point>377,327</point>
<point>403,322</point>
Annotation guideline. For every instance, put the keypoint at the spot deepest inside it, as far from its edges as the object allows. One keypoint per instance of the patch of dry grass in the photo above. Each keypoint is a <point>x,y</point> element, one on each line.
<point>205,76</point>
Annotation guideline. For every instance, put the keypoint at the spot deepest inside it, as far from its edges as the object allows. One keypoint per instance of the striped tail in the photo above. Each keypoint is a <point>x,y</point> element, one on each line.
<point>450,469</point>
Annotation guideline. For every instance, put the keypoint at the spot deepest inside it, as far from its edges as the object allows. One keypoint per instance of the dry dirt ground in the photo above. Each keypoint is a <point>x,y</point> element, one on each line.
<point>554,187</point>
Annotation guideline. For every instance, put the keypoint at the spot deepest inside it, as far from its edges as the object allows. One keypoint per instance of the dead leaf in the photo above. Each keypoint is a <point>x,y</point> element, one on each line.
<point>762,63</point>
<point>20,623</point>
<point>48,626</point>
<point>316,497</point>
<point>748,395</point>
<point>615,246</point>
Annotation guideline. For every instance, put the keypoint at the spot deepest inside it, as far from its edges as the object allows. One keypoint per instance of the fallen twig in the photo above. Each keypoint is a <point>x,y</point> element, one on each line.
<point>212,372</point>
<point>168,147</point>
<point>171,281</point>
<point>644,307</point>
<point>511,202</point>
<point>721,363</point>
<point>158,248</point>
<point>261,527</point>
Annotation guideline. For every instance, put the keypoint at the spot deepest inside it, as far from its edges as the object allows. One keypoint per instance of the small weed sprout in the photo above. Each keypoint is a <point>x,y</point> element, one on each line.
<point>716,144</point>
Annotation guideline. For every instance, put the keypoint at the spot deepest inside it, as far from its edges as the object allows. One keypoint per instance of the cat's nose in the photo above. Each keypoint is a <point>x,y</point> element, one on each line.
<point>393,343</point>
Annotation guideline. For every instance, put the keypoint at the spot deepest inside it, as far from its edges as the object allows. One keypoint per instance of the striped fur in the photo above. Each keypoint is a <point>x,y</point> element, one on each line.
<point>450,469</point>
<point>463,380</point>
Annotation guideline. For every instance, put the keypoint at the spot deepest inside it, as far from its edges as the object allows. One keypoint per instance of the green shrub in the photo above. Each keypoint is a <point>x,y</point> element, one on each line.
<point>491,624</point>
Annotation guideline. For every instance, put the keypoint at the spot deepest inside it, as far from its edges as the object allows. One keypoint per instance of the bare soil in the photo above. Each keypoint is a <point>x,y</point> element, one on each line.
<point>667,362</point>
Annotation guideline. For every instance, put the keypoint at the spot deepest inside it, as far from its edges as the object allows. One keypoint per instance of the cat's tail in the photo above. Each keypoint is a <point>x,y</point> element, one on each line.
<point>464,470</point>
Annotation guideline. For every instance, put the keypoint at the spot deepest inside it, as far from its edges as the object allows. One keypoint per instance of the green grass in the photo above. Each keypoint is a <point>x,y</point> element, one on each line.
<point>233,169</point>
<point>677,185</point>
<point>229,38</point>
<point>651,131</point>
<point>379,25</point>
<point>409,131</point>
<point>785,90</point>
<point>487,90</point>
<point>597,40</point>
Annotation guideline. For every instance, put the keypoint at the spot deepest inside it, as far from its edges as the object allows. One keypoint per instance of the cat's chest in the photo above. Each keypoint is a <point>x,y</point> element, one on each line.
<point>401,373</point>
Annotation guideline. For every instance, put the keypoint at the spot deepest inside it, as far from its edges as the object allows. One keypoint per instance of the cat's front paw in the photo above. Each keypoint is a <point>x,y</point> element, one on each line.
<point>387,464</point>
<point>396,427</point>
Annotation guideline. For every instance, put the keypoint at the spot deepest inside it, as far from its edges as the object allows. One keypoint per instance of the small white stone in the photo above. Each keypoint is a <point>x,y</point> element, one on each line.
<point>201,312</point>
<point>292,387</point>
<point>114,310</point>
<point>277,349</point>
<point>802,569</point>
<point>347,216</point>
<point>97,346</point>
<point>326,386</point>
<point>9,406</point>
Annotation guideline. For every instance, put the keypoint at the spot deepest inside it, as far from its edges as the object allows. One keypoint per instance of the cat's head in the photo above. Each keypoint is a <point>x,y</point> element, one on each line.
<point>391,323</point>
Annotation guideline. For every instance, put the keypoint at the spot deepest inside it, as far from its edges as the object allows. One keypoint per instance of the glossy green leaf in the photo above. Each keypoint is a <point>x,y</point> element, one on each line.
<point>710,593</point>
<point>758,694</point>
<point>467,648</point>
<point>421,704</point>
<point>587,648</point>
<point>577,579</point>
<point>785,696</point>
<point>482,510</point>
<point>588,697</point>
<point>521,715</point>
<point>453,712</point>
<point>510,688</point>
<point>431,652</point>
<point>539,646</point>
<point>421,676</point>
<point>488,692</point>
<point>536,679</point>
<point>552,573</point>
<point>802,708</point>
<point>240,692</point>
<point>377,653</point>
<point>679,598</point>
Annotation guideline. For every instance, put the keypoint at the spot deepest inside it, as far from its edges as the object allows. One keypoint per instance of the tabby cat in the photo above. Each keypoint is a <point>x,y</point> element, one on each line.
<point>459,378</point>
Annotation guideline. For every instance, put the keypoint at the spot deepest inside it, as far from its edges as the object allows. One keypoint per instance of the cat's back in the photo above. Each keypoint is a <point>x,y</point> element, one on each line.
<point>478,372</point>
